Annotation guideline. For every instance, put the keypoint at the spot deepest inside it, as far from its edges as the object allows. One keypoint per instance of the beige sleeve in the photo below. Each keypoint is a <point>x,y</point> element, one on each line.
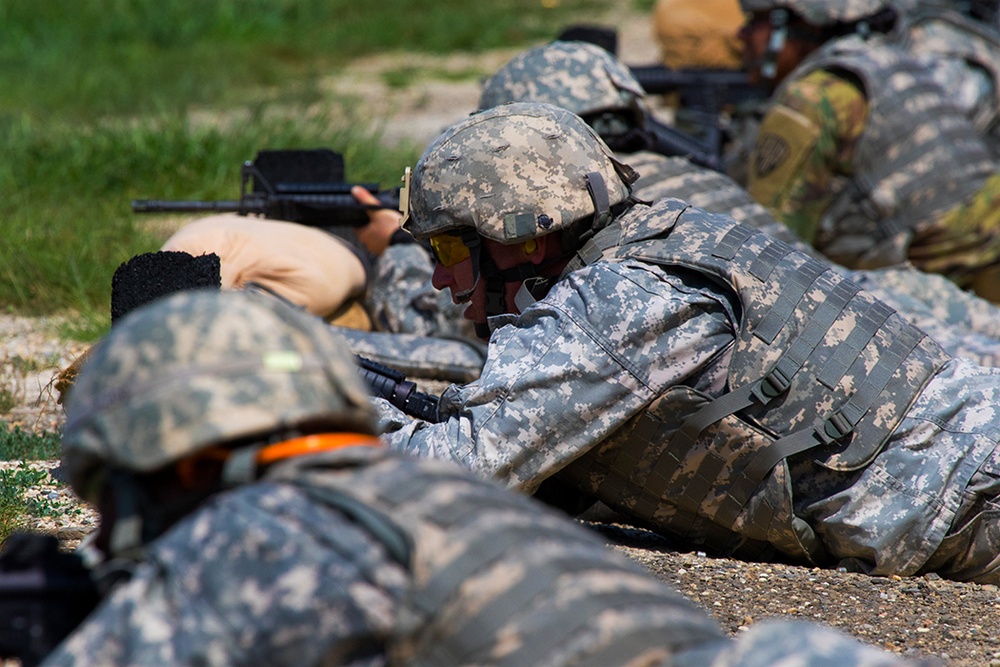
<point>305,265</point>
<point>699,33</point>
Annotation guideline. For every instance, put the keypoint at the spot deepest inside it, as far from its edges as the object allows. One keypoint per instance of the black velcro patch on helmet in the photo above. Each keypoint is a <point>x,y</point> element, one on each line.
<point>148,276</point>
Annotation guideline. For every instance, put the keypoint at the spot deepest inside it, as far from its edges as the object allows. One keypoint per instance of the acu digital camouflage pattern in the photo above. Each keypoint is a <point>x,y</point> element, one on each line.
<point>964,56</point>
<point>201,367</point>
<point>820,12</point>
<point>661,177</point>
<point>917,158</point>
<point>568,382</point>
<point>403,301</point>
<point>577,76</point>
<point>574,75</point>
<point>478,174</point>
<point>962,323</point>
<point>441,569</point>
<point>429,357</point>
<point>817,363</point>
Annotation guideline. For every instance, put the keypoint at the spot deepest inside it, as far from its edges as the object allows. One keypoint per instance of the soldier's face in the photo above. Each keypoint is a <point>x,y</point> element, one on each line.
<point>459,278</point>
<point>756,35</point>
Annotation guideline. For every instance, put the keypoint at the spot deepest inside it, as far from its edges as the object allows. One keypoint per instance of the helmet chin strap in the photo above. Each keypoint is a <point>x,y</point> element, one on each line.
<point>775,43</point>
<point>139,519</point>
<point>534,283</point>
<point>475,246</point>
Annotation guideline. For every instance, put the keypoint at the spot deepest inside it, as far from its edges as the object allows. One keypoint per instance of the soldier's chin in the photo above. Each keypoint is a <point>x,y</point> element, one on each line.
<point>471,313</point>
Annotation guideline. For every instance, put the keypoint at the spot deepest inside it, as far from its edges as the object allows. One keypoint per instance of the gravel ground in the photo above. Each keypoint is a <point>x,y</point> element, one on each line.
<point>911,616</point>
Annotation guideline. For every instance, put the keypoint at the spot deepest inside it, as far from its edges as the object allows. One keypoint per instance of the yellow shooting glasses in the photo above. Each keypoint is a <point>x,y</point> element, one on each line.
<point>449,249</point>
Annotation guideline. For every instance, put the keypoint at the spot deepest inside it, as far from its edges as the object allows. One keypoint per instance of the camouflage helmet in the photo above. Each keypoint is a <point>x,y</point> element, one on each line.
<point>578,76</point>
<point>821,12</point>
<point>201,368</point>
<point>513,173</point>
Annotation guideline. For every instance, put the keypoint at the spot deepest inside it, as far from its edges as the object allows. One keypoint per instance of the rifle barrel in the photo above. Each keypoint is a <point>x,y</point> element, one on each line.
<point>166,206</point>
<point>259,203</point>
<point>657,79</point>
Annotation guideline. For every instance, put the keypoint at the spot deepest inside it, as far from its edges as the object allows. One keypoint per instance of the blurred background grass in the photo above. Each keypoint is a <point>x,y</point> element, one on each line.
<point>100,100</point>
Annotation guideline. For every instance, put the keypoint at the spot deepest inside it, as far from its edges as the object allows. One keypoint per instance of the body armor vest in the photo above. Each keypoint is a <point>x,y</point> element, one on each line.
<point>918,156</point>
<point>676,177</point>
<point>820,369</point>
<point>430,519</point>
<point>965,56</point>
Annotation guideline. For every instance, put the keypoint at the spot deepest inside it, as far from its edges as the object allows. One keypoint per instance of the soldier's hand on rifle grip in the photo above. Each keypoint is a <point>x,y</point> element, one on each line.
<point>382,222</point>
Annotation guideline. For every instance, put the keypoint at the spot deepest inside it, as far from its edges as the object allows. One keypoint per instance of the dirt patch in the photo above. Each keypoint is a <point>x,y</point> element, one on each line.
<point>430,100</point>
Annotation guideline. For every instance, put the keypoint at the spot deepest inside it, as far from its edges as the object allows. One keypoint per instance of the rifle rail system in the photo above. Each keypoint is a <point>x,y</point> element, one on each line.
<point>306,186</point>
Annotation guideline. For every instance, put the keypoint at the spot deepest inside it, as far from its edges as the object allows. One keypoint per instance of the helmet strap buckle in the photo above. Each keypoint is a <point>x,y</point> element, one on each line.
<point>598,191</point>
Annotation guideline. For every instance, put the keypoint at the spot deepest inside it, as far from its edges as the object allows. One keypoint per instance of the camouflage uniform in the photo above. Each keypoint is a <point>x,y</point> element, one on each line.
<point>351,554</point>
<point>847,170</point>
<point>402,299</point>
<point>419,331</point>
<point>963,324</point>
<point>428,357</point>
<point>601,382</point>
<point>587,80</point>
<point>964,56</point>
<point>492,579</point>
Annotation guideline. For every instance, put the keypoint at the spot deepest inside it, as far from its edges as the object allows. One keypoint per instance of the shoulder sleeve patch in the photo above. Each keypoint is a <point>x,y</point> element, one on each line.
<point>785,140</point>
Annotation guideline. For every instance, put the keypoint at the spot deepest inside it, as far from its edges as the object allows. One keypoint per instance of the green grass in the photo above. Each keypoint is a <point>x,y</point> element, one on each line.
<point>66,221</point>
<point>151,56</point>
<point>106,103</point>
<point>17,444</point>
<point>18,508</point>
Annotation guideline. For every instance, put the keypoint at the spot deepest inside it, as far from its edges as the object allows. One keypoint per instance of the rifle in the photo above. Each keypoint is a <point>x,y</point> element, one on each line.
<point>44,595</point>
<point>306,186</point>
<point>392,385</point>
<point>704,97</point>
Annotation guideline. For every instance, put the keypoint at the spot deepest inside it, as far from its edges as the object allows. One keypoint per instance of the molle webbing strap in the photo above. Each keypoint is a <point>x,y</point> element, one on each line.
<point>768,259</point>
<point>914,137</point>
<point>835,427</point>
<point>397,542</point>
<point>594,249</point>
<point>843,420</point>
<point>782,310</point>
<point>847,352</point>
<point>772,385</point>
<point>733,241</point>
<point>791,301</point>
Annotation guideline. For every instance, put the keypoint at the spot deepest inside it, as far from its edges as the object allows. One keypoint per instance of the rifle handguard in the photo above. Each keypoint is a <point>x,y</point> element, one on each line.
<point>390,384</point>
